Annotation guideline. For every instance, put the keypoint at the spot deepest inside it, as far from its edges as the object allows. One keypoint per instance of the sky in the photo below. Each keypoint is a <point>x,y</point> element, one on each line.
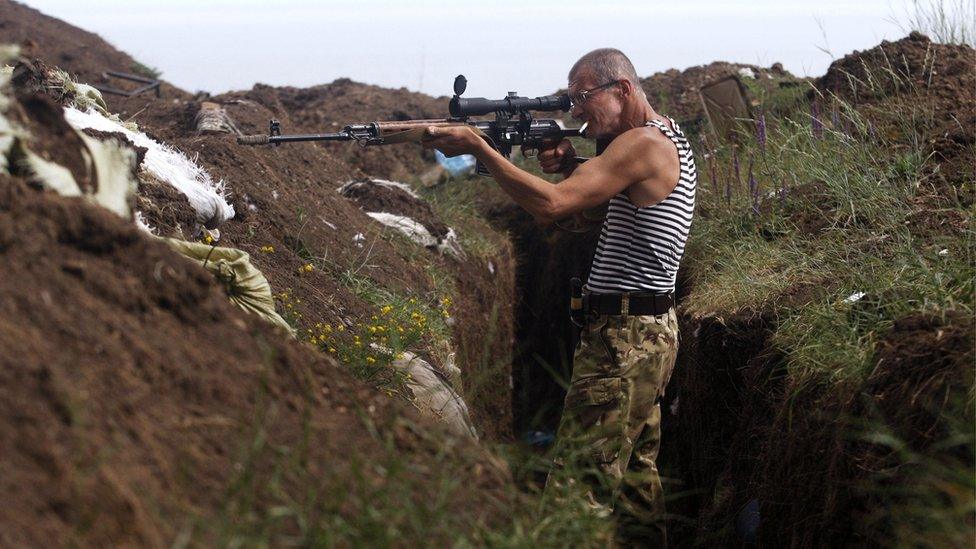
<point>525,46</point>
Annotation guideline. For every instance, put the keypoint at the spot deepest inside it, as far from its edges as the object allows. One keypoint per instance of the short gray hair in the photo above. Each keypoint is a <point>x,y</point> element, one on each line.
<point>606,64</point>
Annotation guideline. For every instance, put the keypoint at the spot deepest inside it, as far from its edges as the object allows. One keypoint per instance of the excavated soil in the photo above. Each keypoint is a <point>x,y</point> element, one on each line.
<point>51,137</point>
<point>135,392</point>
<point>129,375</point>
<point>675,92</point>
<point>287,198</point>
<point>81,53</point>
<point>132,388</point>
<point>84,55</point>
<point>330,107</point>
<point>384,198</point>
<point>939,80</point>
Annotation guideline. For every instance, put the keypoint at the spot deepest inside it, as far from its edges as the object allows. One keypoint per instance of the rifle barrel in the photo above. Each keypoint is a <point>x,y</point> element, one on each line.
<point>275,139</point>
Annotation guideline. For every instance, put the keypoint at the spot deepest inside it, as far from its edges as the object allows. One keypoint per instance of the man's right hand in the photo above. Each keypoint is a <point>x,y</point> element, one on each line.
<point>558,158</point>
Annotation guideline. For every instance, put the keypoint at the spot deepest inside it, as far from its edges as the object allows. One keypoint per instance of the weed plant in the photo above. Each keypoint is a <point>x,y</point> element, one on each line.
<point>845,230</point>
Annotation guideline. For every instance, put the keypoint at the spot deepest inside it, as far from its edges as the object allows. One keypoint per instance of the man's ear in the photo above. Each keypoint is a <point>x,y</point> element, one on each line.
<point>626,87</point>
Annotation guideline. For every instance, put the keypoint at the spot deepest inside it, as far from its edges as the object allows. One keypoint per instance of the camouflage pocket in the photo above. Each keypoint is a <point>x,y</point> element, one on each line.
<point>593,411</point>
<point>593,391</point>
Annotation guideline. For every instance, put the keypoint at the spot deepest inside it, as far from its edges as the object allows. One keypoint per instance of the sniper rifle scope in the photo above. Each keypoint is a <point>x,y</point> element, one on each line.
<point>511,105</point>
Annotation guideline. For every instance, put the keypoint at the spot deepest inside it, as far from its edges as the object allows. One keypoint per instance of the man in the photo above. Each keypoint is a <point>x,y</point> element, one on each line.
<point>628,346</point>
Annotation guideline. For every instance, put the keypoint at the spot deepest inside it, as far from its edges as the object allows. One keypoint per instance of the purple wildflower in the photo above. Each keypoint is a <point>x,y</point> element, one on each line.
<point>871,131</point>
<point>736,167</point>
<point>728,189</point>
<point>816,126</point>
<point>713,173</point>
<point>761,132</point>
<point>753,188</point>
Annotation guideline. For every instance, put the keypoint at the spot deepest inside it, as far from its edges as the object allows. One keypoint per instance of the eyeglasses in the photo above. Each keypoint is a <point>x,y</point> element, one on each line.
<point>581,97</point>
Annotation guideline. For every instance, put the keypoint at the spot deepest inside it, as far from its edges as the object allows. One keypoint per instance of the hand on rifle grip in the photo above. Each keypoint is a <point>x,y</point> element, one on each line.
<point>555,155</point>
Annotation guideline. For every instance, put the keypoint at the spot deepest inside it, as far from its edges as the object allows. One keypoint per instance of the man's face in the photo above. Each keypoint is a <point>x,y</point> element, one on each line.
<point>601,110</point>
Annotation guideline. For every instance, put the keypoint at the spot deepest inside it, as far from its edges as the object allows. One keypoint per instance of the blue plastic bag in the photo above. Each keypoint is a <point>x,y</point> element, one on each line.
<point>457,165</point>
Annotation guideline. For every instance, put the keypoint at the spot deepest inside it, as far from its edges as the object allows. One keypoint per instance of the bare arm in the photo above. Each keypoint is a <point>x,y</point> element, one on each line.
<point>632,157</point>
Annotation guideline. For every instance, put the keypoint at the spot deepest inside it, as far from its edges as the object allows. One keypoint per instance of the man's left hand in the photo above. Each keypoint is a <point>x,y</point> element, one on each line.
<point>453,140</point>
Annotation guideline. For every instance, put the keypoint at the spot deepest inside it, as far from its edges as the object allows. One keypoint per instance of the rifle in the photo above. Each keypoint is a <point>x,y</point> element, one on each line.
<point>513,125</point>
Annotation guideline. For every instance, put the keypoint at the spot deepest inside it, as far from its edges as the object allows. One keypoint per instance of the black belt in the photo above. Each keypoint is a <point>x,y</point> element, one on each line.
<point>627,304</point>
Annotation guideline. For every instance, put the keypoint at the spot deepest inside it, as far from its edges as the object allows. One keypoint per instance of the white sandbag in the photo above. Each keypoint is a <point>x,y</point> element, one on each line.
<point>418,233</point>
<point>167,164</point>
<point>433,396</point>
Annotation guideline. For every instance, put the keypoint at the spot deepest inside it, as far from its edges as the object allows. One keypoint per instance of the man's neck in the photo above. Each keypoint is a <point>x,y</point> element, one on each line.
<point>637,114</point>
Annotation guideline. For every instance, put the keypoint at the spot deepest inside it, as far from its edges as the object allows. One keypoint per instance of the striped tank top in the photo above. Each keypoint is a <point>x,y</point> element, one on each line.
<point>640,248</point>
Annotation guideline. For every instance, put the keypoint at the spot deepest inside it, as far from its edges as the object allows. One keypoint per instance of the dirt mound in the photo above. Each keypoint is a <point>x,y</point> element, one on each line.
<point>82,54</point>
<point>939,79</point>
<point>374,196</point>
<point>79,52</point>
<point>675,92</point>
<point>921,362</point>
<point>134,393</point>
<point>290,216</point>
<point>329,107</point>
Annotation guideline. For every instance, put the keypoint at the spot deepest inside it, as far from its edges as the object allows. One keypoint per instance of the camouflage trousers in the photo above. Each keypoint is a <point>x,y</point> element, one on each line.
<point>610,431</point>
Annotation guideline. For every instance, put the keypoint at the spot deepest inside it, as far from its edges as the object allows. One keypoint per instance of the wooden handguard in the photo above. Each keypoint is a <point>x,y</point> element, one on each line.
<point>252,140</point>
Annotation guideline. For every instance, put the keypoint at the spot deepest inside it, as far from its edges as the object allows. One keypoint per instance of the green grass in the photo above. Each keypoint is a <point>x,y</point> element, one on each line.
<point>840,214</point>
<point>382,494</point>
<point>835,215</point>
<point>145,70</point>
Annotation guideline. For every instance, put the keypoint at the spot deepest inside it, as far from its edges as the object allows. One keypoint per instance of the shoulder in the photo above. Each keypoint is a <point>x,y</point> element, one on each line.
<point>648,142</point>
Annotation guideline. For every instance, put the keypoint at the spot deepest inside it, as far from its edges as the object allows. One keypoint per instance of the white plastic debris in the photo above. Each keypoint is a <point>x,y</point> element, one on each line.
<point>746,72</point>
<point>855,297</point>
<point>450,244</point>
<point>167,164</point>
<point>345,187</point>
<point>419,234</point>
<point>944,252</point>
<point>358,239</point>
<point>143,224</point>
<point>491,267</point>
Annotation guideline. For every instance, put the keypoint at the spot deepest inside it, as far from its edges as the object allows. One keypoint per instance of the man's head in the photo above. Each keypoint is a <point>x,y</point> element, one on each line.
<point>605,90</point>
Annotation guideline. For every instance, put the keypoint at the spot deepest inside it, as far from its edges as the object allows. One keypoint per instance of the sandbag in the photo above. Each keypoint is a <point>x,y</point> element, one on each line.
<point>245,284</point>
<point>434,396</point>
